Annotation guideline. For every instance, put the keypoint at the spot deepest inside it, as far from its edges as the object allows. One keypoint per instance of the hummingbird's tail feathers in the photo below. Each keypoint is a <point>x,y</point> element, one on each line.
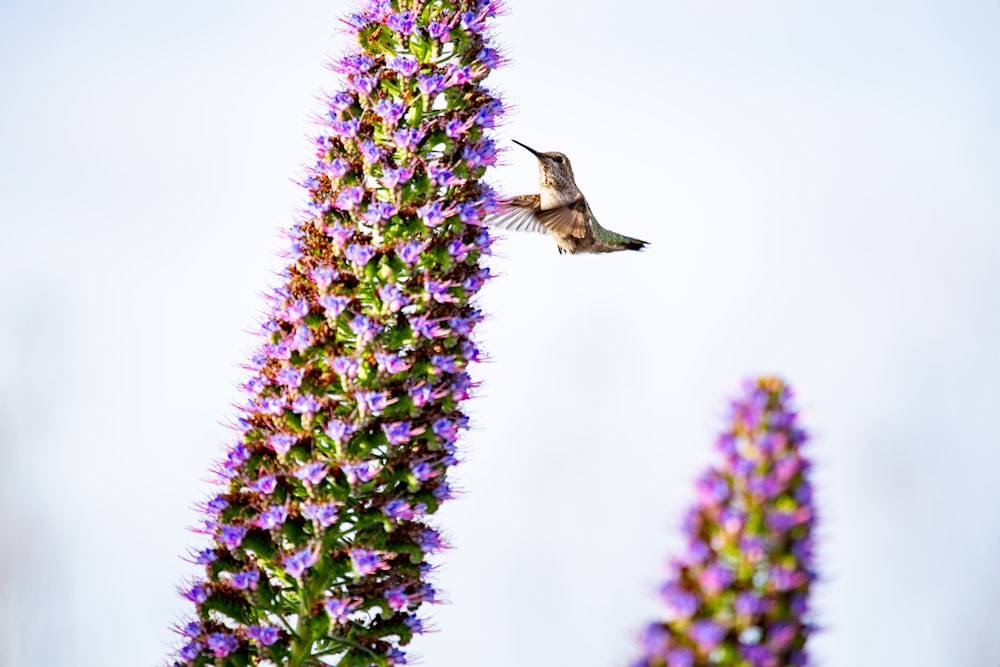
<point>634,244</point>
<point>608,241</point>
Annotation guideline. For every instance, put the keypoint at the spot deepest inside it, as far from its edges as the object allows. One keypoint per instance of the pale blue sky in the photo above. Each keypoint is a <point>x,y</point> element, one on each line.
<point>819,182</point>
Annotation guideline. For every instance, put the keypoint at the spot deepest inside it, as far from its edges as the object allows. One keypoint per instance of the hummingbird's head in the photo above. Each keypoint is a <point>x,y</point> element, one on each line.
<point>554,169</point>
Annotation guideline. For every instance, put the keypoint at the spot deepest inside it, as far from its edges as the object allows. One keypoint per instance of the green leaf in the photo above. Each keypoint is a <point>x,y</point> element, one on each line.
<point>366,372</point>
<point>420,47</point>
<point>232,607</point>
<point>294,421</point>
<point>371,271</point>
<point>259,542</point>
<point>318,625</point>
<point>376,38</point>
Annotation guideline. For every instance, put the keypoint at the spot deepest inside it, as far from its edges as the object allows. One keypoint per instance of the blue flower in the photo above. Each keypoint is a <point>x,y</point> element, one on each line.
<point>341,101</point>
<point>473,23</point>
<point>393,297</point>
<point>431,84</point>
<point>324,514</point>
<point>391,363</point>
<point>375,401</point>
<point>397,598</point>
<point>390,111</point>
<point>367,562</point>
<point>409,251</point>
<point>354,63</point>
<point>346,366</point>
<point>432,214</point>
<point>420,395</point>
<point>246,579</point>
<point>205,556</point>
<point>281,442</point>
<point>680,602</point>
<point>264,634</point>
<point>323,276</point>
<point>398,509</point>
<point>475,282</point>
<point>423,471</point>
<point>482,154</point>
<point>680,657</point>
<point>340,610</point>
<point>197,593</point>
<point>486,116</point>
<point>305,404</point>
<point>349,198</point>
<point>706,635</point>
<point>445,428</point>
<point>458,251</point>
<point>365,328</point>
<point>296,564</point>
<point>337,430</point>
<point>415,625</point>
<point>272,518</point>
<point>363,84</point>
<point>399,433</point>
<point>439,31</point>
<point>221,644</point>
<point>302,339</point>
<point>336,168</point>
<point>295,311</point>
<point>393,177</point>
<point>359,254</point>
<point>408,138</point>
<point>438,291</point>
<point>371,152</point>
<point>444,363</point>
<point>311,473</point>
<point>191,651</point>
<point>346,128</point>
<point>427,327</point>
<point>363,471</point>
<point>265,484</point>
<point>489,57</point>
<point>333,304</point>
<point>402,23</point>
<point>430,541</point>
<point>456,127</point>
<point>378,211</point>
<point>231,536</point>
<point>405,65</point>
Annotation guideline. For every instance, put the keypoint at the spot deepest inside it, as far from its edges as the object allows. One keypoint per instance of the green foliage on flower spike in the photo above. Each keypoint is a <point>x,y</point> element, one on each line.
<point>739,595</point>
<point>320,534</point>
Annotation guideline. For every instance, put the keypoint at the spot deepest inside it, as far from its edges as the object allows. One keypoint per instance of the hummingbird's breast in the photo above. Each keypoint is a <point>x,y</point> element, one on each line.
<point>556,191</point>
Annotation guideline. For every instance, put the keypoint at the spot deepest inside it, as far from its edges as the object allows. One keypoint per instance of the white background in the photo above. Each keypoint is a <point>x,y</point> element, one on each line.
<point>819,184</point>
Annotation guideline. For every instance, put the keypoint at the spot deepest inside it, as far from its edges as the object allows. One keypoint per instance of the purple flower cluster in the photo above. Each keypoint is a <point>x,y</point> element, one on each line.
<point>320,530</point>
<point>739,593</point>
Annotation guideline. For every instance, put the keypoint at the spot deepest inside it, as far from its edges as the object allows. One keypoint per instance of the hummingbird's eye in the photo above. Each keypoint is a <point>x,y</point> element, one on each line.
<point>557,159</point>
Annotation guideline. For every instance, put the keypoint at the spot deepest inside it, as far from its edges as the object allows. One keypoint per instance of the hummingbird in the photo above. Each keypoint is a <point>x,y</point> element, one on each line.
<point>560,209</point>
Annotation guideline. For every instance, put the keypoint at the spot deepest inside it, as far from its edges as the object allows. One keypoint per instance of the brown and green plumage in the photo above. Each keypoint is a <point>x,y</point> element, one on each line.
<point>560,209</point>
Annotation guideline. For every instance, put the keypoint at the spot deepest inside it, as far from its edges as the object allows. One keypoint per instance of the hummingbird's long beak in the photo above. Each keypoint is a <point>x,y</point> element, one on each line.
<point>529,148</point>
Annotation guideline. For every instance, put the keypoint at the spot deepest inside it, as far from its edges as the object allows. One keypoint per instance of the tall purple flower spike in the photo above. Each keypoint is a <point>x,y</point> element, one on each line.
<point>739,594</point>
<point>320,533</point>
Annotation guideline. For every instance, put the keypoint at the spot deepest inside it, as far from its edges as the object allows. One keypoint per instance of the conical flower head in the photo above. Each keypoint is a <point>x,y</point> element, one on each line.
<point>320,533</point>
<point>739,593</point>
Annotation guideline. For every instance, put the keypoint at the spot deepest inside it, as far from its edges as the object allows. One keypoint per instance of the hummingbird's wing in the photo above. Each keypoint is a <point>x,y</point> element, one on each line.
<point>568,220</point>
<point>519,214</point>
<point>523,214</point>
